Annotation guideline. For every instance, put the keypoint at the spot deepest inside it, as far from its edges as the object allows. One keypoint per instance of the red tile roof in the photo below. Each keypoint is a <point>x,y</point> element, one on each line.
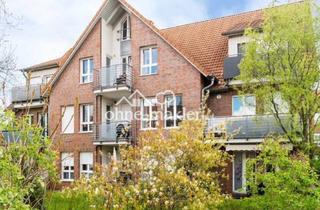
<point>205,42</point>
<point>44,65</point>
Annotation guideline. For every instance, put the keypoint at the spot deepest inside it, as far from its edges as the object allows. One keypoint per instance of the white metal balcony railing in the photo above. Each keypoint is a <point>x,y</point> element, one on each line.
<point>114,76</point>
<point>113,132</point>
<point>26,93</point>
<point>246,127</point>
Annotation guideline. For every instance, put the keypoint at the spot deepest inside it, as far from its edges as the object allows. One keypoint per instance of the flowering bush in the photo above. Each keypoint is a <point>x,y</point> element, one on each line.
<point>173,171</point>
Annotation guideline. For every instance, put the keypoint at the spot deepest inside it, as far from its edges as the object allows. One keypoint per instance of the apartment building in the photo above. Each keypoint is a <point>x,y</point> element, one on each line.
<point>123,54</point>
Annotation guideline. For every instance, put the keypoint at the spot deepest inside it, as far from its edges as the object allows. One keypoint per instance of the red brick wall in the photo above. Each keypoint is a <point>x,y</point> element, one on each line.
<point>69,91</point>
<point>174,72</point>
<point>220,104</point>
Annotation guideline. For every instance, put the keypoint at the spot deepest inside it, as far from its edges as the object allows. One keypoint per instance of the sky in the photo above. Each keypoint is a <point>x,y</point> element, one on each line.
<point>47,28</point>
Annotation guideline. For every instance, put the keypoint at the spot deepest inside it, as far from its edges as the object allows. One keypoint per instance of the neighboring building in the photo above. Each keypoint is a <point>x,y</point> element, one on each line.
<point>121,53</point>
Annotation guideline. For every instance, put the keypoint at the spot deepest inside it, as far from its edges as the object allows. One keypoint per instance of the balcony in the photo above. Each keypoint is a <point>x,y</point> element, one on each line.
<point>113,133</point>
<point>114,82</point>
<point>247,127</point>
<point>27,96</point>
<point>230,66</point>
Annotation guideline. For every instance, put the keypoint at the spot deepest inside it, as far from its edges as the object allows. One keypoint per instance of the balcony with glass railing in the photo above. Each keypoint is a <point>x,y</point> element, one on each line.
<point>112,133</point>
<point>247,127</point>
<point>114,81</point>
<point>29,95</point>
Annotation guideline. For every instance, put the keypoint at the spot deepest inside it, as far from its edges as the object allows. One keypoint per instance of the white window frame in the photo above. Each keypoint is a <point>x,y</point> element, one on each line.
<point>126,18</point>
<point>175,116</point>
<point>242,97</point>
<point>89,172</point>
<point>89,74</point>
<point>89,123</point>
<point>64,164</point>
<point>244,180</point>
<point>153,116</point>
<point>149,65</point>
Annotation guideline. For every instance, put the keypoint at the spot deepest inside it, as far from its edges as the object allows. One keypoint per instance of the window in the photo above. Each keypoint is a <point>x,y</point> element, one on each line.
<point>173,111</point>
<point>108,61</point>
<point>280,105</point>
<point>241,48</point>
<point>87,70</point>
<point>108,114</point>
<point>67,124</point>
<point>239,169</point>
<point>43,122</point>
<point>67,167</point>
<point>243,105</point>
<point>46,79</point>
<point>86,164</point>
<point>125,29</point>
<point>30,119</point>
<point>149,61</point>
<point>86,115</point>
<point>149,113</point>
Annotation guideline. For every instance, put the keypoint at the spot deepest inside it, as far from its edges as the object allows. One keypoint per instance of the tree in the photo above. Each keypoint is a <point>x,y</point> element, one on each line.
<point>180,170</point>
<point>279,179</point>
<point>26,163</point>
<point>8,74</point>
<point>281,67</point>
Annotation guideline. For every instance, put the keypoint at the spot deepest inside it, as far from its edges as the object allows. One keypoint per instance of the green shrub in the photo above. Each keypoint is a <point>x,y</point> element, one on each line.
<point>284,202</point>
<point>76,201</point>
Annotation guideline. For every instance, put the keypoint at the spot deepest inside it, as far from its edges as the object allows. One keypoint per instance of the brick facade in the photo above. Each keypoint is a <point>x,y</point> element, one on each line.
<point>69,91</point>
<point>174,72</point>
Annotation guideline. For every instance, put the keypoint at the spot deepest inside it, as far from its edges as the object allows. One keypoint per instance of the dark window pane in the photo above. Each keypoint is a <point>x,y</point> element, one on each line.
<point>238,173</point>
<point>169,123</point>
<point>84,167</point>
<point>85,66</point>
<point>65,175</point>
